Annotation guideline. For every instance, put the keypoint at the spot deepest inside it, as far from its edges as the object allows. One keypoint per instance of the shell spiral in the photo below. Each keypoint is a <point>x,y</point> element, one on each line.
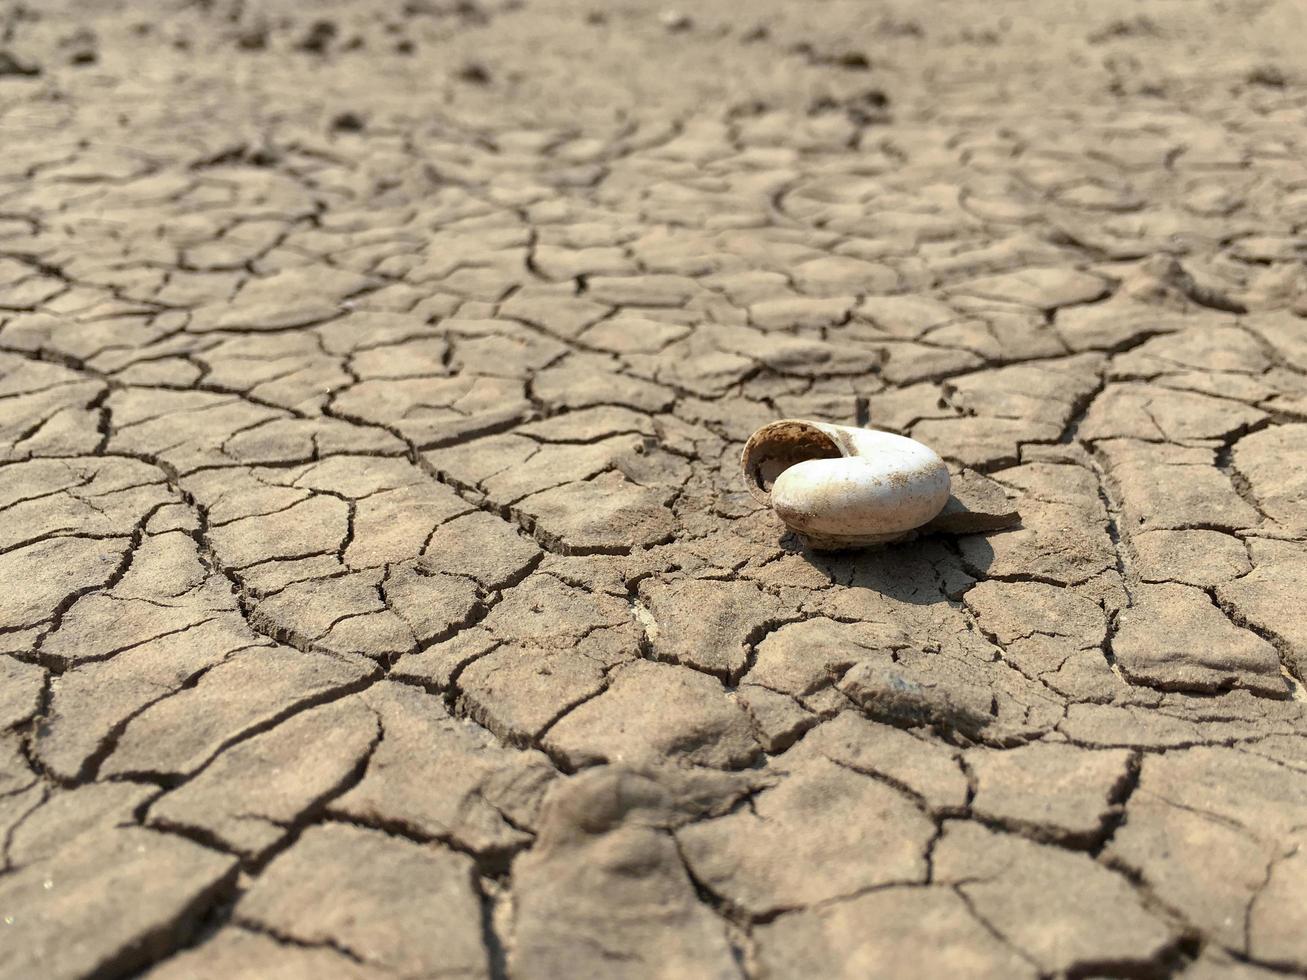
<point>841,486</point>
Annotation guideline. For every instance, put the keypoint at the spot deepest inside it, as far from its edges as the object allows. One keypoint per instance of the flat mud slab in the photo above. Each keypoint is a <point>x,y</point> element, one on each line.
<point>379,593</point>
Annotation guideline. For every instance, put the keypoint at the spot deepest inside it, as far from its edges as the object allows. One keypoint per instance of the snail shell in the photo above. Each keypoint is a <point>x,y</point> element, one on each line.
<point>841,486</point>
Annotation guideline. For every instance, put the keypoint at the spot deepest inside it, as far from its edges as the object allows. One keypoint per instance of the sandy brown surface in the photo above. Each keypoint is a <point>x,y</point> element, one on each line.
<point>379,596</point>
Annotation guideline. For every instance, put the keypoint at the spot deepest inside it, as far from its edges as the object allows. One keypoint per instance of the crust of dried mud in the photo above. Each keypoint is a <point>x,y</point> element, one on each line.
<point>379,594</point>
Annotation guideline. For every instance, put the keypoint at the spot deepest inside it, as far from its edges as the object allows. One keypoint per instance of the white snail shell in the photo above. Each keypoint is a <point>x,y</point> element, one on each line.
<point>841,486</point>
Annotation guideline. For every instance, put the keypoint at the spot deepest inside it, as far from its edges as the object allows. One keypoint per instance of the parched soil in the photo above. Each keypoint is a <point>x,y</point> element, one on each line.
<point>379,592</point>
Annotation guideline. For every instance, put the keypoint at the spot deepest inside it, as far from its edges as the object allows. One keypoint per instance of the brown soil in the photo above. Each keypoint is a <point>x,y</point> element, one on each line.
<point>379,592</point>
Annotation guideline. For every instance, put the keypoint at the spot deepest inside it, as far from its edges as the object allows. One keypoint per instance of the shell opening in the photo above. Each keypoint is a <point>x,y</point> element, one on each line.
<point>774,448</point>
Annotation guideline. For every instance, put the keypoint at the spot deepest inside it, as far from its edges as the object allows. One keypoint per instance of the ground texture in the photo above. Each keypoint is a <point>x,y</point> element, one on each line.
<point>379,596</point>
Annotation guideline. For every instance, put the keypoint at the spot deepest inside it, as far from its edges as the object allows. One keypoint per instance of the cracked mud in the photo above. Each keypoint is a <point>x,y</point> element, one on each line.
<point>379,595</point>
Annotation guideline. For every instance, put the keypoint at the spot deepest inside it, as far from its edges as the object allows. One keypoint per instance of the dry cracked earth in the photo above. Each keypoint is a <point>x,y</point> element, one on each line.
<point>379,596</point>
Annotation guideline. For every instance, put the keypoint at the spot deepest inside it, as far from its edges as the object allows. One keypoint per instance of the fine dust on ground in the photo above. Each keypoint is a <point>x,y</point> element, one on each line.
<point>379,593</point>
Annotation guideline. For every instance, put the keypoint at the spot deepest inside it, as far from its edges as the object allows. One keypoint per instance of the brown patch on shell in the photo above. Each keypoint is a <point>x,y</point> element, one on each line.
<point>776,447</point>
